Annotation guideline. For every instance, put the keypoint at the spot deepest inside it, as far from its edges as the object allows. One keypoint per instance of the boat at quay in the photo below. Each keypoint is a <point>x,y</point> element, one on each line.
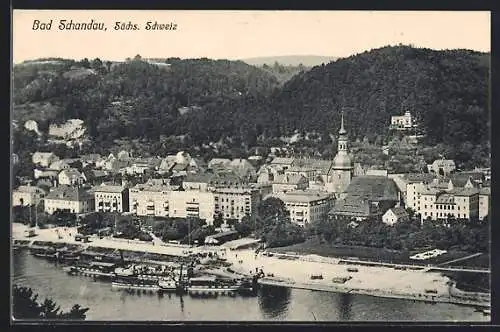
<point>377,280</point>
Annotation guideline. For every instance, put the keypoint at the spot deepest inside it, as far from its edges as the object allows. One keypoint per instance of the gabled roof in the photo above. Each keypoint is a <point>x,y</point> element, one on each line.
<point>351,207</point>
<point>289,179</point>
<point>68,193</point>
<point>419,177</point>
<point>444,162</point>
<point>460,179</point>
<point>399,212</point>
<point>71,172</point>
<point>29,189</point>
<point>446,198</point>
<point>464,191</point>
<point>375,188</point>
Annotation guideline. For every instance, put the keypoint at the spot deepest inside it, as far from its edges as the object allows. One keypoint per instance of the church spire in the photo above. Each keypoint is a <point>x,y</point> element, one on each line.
<point>342,130</point>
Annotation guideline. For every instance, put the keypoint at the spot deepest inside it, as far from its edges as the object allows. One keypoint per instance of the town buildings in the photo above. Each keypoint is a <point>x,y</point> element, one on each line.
<point>44,159</point>
<point>71,177</point>
<point>442,166</point>
<point>27,195</point>
<point>111,198</point>
<point>395,215</point>
<point>367,197</point>
<point>150,199</point>
<point>458,203</point>
<point>69,199</point>
<point>484,202</point>
<point>192,203</point>
<point>236,202</point>
<point>287,182</point>
<point>305,206</point>
<point>340,174</point>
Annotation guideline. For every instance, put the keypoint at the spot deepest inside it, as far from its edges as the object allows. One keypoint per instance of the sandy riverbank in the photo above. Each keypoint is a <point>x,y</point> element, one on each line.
<point>66,235</point>
<point>370,280</point>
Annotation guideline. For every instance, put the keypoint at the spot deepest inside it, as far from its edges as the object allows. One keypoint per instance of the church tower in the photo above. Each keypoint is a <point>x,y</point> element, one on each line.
<point>342,167</point>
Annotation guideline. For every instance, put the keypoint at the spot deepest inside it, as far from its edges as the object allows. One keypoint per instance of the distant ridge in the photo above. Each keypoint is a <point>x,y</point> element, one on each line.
<point>291,60</point>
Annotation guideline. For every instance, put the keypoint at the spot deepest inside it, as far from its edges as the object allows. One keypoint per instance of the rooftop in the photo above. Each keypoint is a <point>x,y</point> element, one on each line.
<point>446,198</point>
<point>464,191</point>
<point>351,207</point>
<point>282,161</point>
<point>399,212</point>
<point>29,189</point>
<point>104,188</point>
<point>373,188</point>
<point>303,196</point>
<point>69,193</point>
<point>485,191</point>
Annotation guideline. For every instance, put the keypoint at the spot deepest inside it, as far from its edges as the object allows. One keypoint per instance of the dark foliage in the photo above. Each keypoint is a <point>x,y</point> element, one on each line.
<point>26,306</point>
<point>447,91</point>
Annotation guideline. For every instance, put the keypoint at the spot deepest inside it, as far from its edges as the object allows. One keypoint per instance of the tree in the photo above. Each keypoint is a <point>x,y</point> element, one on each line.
<point>218,220</point>
<point>272,208</point>
<point>26,306</point>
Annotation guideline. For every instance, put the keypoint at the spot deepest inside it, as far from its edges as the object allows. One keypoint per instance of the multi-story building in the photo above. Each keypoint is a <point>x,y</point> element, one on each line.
<point>150,199</point>
<point>484,202</point>
<point>402,122</point>
<point>236,202</point>
<point>306,207</point>
<point>459,203</point>
<point>287,182</point>
<point>442,166</point>
<point>192,203</point>
<point>111,198</point>
<point>71,177</point>
<point>27,195</point>
<point>70,199</point>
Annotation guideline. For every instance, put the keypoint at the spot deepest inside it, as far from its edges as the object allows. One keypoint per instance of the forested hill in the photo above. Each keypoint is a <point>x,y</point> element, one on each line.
<point>136,98</point>
<point>446,90</point>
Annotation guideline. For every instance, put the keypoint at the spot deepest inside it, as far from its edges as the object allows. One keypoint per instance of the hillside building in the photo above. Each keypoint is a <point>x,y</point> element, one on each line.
<point>402,122</point>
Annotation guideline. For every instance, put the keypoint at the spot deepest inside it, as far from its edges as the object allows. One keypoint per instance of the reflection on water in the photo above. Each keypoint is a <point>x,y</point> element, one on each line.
<point>272,303</point>
<point>345,306</point>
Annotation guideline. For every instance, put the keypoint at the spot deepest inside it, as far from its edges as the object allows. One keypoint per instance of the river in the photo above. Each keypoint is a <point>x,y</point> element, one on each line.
<point>272,303</point>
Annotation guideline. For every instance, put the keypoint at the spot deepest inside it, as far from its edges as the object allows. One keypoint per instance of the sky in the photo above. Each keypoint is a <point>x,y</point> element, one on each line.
<point>244,34</point>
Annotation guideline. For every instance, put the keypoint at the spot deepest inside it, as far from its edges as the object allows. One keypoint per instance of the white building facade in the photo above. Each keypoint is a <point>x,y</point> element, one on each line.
<point>27,195</point>
<point>111,198</point>
<point>307,207</point>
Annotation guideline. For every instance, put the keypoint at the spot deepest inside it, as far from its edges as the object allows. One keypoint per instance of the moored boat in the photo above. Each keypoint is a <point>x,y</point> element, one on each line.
<point>132,283</point>
<point>94,269</point>
<point>211,286</point>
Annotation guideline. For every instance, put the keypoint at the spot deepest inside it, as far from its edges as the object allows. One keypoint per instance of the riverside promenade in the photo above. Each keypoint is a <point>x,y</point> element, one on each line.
<point>294,272</point>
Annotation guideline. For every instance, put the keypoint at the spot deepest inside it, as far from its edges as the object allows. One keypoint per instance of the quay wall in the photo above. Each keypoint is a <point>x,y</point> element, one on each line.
<point>375,292</point>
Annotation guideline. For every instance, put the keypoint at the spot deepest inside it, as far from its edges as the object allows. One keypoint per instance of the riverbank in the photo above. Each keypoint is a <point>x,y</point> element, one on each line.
<point>380,281</point>
<point>370,292</point>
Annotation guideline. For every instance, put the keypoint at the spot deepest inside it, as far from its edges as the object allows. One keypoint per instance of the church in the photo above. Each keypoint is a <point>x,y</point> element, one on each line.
<point>339,175</point>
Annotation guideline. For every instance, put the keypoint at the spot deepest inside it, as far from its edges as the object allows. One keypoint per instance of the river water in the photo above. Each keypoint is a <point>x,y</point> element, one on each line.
<point>272,303</point>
